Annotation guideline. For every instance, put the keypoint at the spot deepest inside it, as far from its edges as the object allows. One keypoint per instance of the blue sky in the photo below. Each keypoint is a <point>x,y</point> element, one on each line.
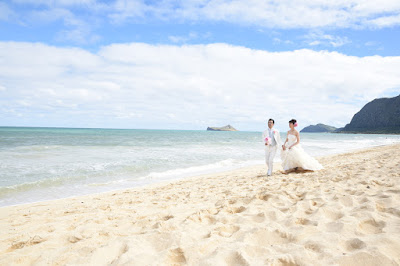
<point>192,64</point>
<point>90,24</point>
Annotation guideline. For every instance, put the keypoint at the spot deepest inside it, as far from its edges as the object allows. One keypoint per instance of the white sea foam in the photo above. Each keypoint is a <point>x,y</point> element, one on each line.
<point>224,165</point>
<point>38,165</point>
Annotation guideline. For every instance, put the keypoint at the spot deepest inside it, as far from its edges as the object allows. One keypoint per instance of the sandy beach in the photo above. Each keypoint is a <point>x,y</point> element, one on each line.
<point>346,214</point>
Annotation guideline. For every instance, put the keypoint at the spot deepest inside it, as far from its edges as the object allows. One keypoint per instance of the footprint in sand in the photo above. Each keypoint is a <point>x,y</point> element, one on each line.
<point>259,218</point>
<point>394,211</point>
<point>332,214</point>
<point>231,201</point>
<point>313,246</point>
<point>284,261</point>
<point>175,256</point>
<point>353,244</point>
<point>334,227</point>
<point>30,242</point>
<point>383,206</point>
<point>227,231</point>
<point>363,200</point>
<point>305,221</point>
<point>222,256</point>
<point>235,258</point>
<point>75,238</point>
<point>264,237</point>
<point>202,217</point>
<point>264,196</point>
<point>346,201</point>
<point>167,217</point>
<point>371,226</point>
<point>213,211</point>
<point>234,210</point>
<point>247,200</point>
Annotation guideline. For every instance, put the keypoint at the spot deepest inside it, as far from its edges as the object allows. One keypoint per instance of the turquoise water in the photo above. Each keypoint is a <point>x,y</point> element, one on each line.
<point>38,164</point>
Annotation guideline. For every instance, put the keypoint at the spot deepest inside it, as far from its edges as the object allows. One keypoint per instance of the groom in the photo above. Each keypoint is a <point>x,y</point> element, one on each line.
<point>271,144</point>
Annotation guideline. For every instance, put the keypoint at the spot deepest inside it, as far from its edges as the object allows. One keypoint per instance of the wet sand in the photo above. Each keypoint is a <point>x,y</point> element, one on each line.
<point>346,214</point>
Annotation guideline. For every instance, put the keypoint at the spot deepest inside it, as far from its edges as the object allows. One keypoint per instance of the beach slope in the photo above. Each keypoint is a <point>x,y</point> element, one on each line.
<point>346,214</point>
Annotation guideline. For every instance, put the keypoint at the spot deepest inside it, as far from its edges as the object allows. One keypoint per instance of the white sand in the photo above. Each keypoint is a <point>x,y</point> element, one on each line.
<point>346,214</point>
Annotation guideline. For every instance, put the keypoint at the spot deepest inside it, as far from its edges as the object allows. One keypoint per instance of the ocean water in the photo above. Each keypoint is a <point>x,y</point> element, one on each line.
<point>38,164</point>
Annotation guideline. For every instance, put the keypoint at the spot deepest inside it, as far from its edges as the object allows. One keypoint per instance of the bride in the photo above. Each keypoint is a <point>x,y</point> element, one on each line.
<point>293,156</point>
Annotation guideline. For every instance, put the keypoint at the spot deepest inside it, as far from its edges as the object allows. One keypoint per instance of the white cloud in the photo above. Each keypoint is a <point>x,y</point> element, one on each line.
<point>192,86</point>
<point>76,28</point>
<point>62,3</point>
<point>279,41</point>
<point>319,38</point>
<point>183,39</point>
<point>191,36</point>
<point>270,14</point>
<point>283,14</point>
<point>387,21</point>
<point>78,35</point>
<point>6,13</point>
<point>122,10</point>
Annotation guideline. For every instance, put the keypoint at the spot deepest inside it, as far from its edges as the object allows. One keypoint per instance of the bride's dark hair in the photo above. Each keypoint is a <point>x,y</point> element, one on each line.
<point>293,121</point>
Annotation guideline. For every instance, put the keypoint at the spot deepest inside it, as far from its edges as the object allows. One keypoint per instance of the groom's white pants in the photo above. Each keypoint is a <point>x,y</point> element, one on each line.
<point>270,152</point>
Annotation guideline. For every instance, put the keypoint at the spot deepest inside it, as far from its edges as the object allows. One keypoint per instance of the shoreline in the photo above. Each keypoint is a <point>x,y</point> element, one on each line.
<point>345,214</point>
<point>277,165</point>
<point>56,170</point>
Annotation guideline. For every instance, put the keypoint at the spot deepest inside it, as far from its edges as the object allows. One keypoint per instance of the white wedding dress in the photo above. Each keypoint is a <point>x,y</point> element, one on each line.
<point>297,157</point>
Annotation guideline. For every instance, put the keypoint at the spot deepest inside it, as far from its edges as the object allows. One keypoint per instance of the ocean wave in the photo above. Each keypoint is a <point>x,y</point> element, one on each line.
<point>223,165</point>
<point>177,173</point>
<point>28,186</point>
<point>61,166</point>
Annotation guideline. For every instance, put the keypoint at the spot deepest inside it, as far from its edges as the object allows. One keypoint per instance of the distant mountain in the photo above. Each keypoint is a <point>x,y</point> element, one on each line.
<point>379,116</point>
<point>318,128</point>
<point>225,128</point>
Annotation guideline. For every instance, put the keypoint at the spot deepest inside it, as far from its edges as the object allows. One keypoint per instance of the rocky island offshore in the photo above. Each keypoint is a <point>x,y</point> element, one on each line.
<point>225,128</point>
<point>318,128</point>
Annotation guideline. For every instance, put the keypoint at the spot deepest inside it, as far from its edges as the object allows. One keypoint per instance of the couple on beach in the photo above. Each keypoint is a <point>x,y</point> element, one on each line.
<point>293,156</point>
